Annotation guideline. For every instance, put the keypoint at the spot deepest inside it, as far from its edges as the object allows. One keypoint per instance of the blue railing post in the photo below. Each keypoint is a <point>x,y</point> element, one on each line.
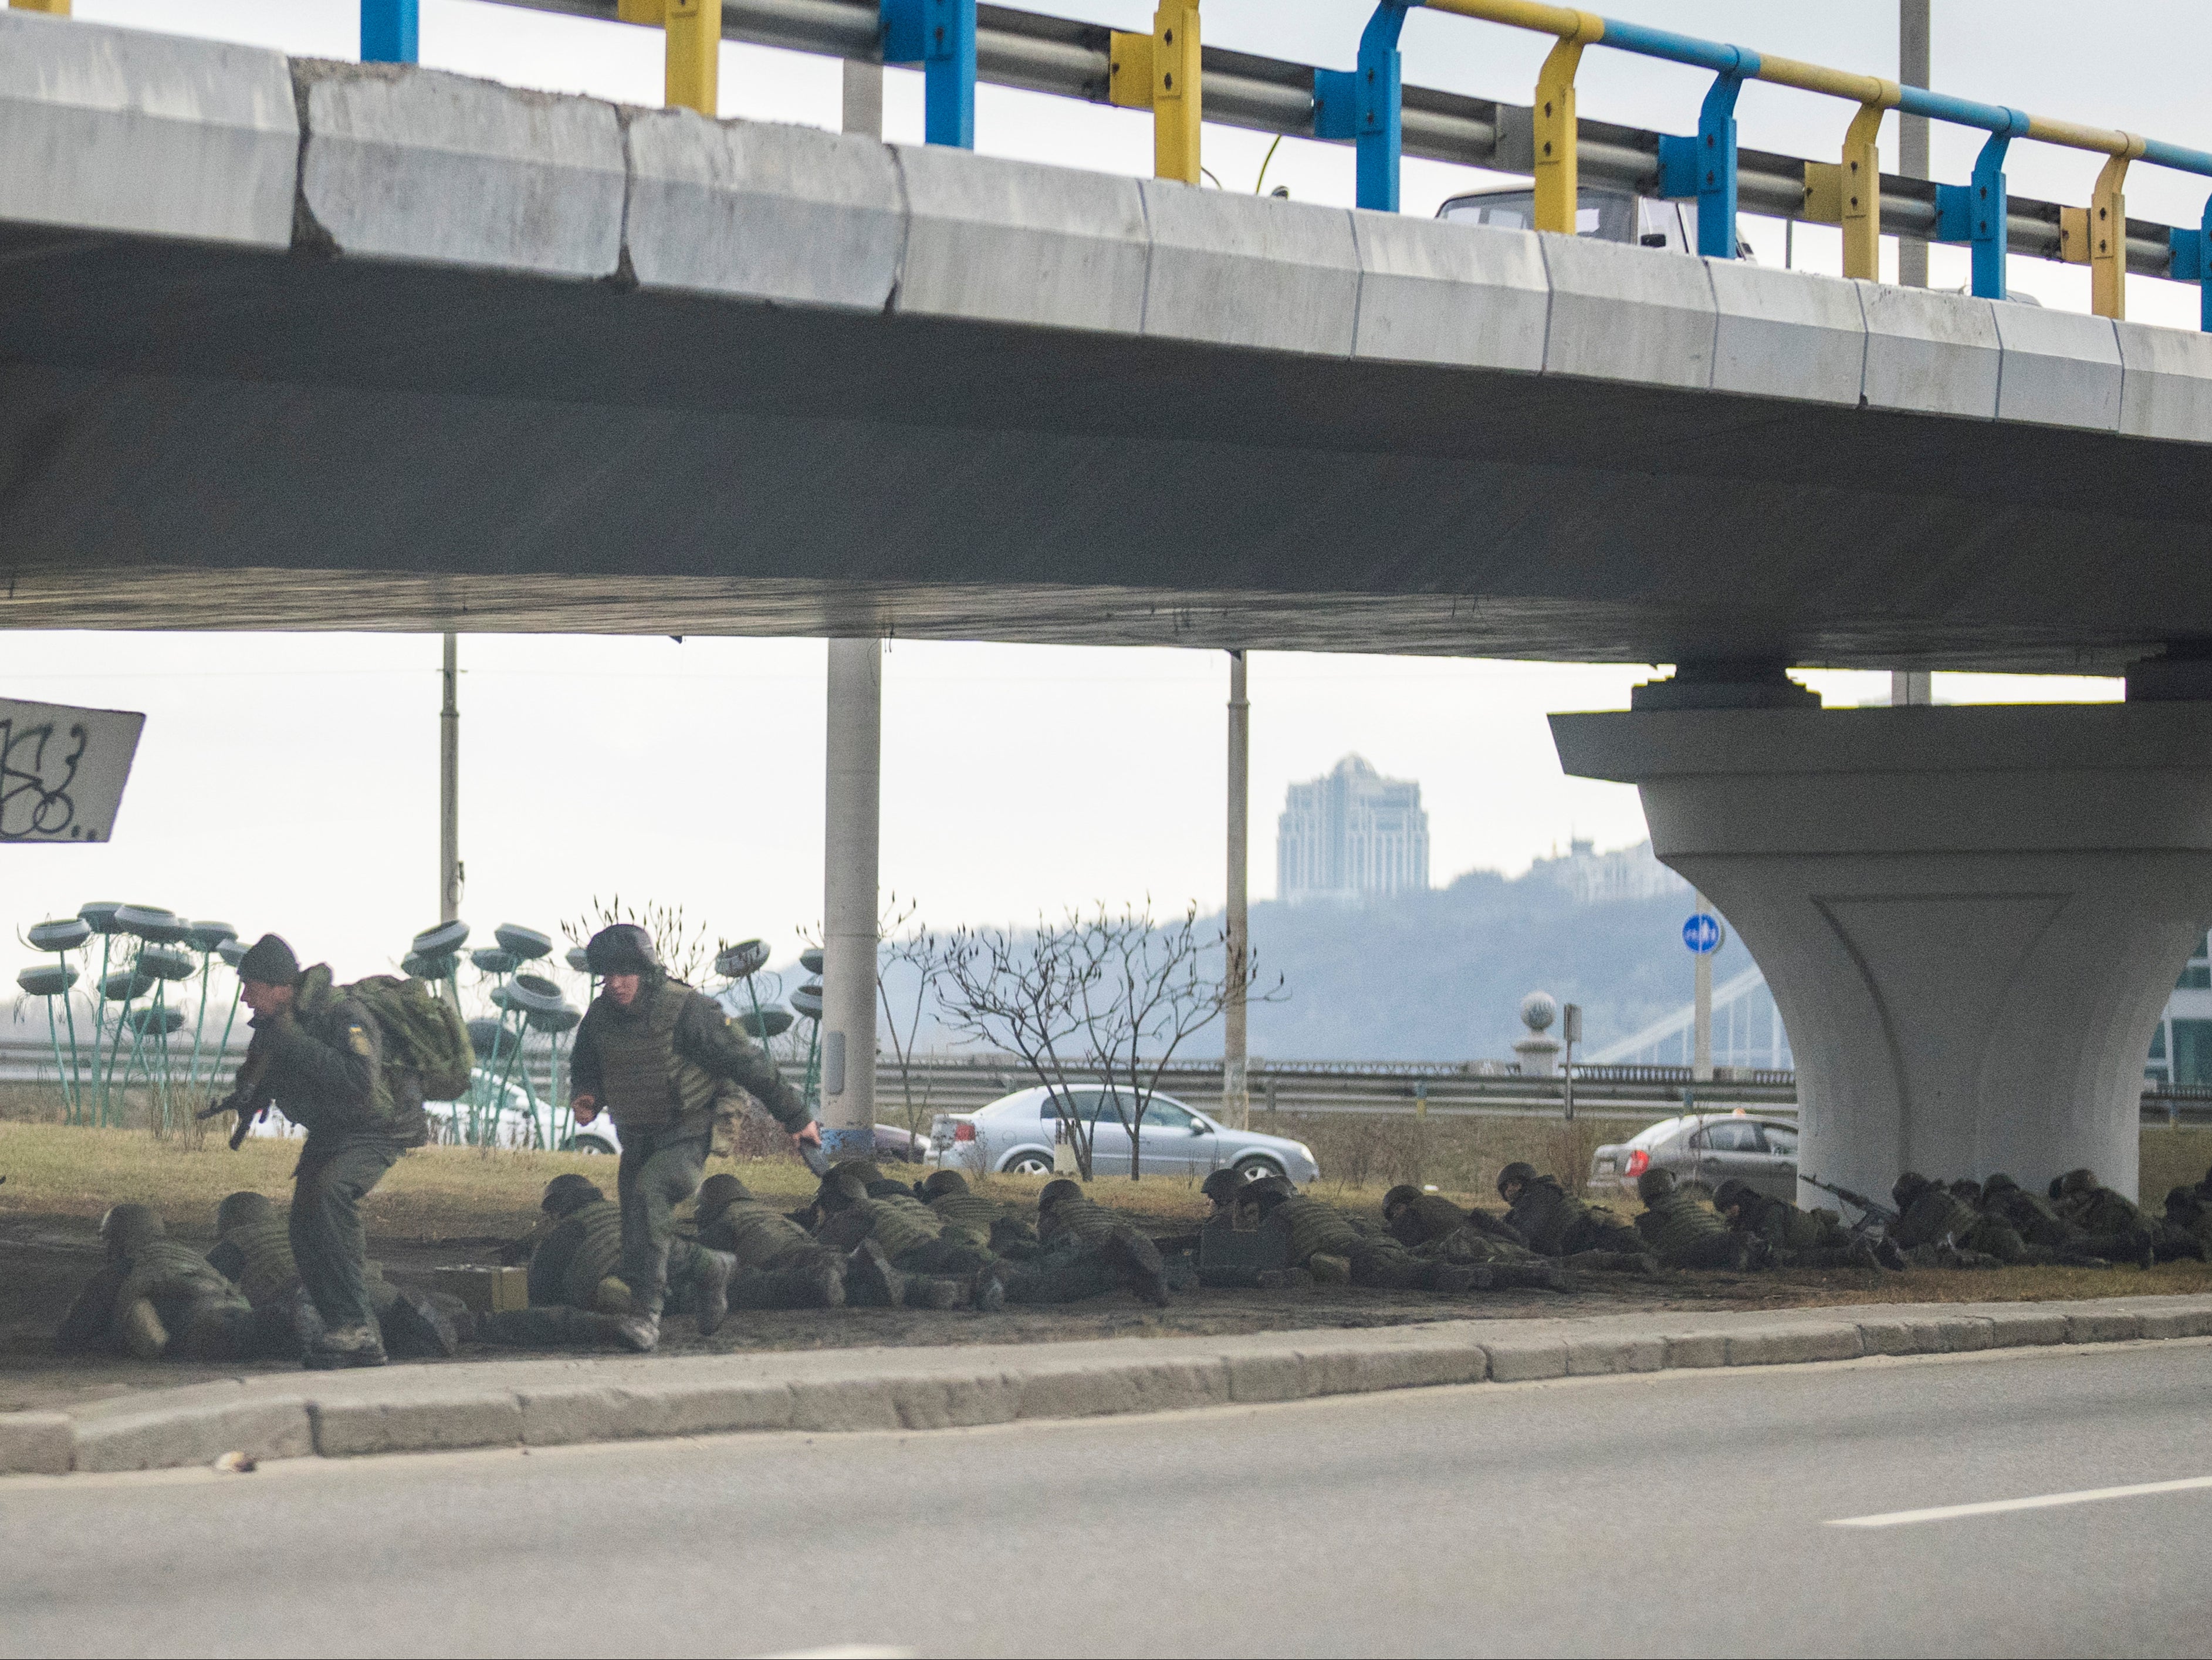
<point>2203,288</point>
<point>1987,210</point>
<point>388,32</point>
<point>940,36</point>
<point>1365,106</point>
<point>1716,160</point>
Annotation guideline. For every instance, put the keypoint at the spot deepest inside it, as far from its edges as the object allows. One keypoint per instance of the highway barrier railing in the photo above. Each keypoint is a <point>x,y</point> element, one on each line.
<point>957,42</point>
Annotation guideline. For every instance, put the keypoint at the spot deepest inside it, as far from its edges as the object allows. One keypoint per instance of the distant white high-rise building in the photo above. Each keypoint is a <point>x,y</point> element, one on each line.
<point>1351,835</point>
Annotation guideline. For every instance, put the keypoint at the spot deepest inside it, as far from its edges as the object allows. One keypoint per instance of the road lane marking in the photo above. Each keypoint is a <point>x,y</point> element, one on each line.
<point>1998,1506</point>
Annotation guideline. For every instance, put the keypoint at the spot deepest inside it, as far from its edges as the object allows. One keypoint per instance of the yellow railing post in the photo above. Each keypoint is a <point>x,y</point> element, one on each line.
<point>1860,183</point>
<point>695,55</point>
<point>51,7</point>
<point>1160,72</point>
<point>2108,233</point>
<point>1558,183</point>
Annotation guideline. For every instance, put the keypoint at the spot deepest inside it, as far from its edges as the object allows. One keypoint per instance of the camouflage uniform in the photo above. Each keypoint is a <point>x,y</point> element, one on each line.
<point>1429,1224</point>
<point>984,1221</point>
<point>254,1248</point>
<point>1554,1223</point>
<point>780,1264</point>
<point>1798,1238</point>
<point>2096,1209</point>
<point>1085,1250</point>
<point>2189,1214</point>
<point>1929,1214</point>
<point>661,1068</point>
<point>1685,1232</point>
<point>936,1272</point>
<point>2037,1221</point>
<point>1314,1230</point>
<point>157,1296</point>
<point>577,1294</point>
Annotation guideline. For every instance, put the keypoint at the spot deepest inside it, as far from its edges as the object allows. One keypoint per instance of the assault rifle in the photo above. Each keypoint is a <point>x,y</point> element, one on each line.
<point>1870,1211</point>
<point>250,1097</point>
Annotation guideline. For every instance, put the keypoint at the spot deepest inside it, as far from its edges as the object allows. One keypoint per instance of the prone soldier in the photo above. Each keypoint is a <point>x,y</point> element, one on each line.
<point>2097,1209</point>
<point>1929,1217</point>
<point>2037,1221</point>
<point>1332,1247</point>
<point>1801,1238</point>
<point>780,1264</point>
<point>1430,1224</point>
<point>156,1296</point>
<point>254,1250</point>
<point>1686,1233</point>
<point>988,1223</point>
<point>1087,1252</point>
<point>1556,1224</point>
<point>940,1273</point>
<point>576,1290</point>
<point>658,1056</point>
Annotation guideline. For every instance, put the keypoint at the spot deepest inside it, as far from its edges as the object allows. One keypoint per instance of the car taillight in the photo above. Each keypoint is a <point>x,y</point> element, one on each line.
<point>964,1132</point>
<point>1638,1162</point>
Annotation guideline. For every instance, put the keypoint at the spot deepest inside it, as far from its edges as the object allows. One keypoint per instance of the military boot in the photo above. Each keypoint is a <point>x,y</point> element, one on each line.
<point>1329,1270</point>
<point>345,1346</point>
<point>712,1288</point>
<point>1526,1276</point>
<point>143,1334</point>
<point>1138,1261</point>
<point>1454,1277</point>
<point>418,1327</point>
<point>870,1281</point>
<point>925,1291</point>
<point>638,1333</point>
<point>988,1294</point>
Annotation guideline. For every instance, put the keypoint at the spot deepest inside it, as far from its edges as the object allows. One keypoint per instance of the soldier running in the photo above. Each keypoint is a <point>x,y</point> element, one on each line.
<point>658,1056</point>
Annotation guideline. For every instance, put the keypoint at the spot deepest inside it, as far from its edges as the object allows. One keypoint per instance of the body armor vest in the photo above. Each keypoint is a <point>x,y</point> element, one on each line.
<point>1682,1222</point>
<point>169,1268</point>
<point>1544,1215</point>
<point>757,1235</point>
<point>969,1214</point>
<point>1932,1215</point>
<point>268,1270</point>
<point>1317,1229</point>
<point>899,1228</point>
<point>645,1081</point>
<point>599,1251</point>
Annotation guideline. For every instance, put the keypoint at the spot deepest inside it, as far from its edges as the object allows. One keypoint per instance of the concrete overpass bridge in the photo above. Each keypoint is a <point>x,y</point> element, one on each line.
<point>304,344</point>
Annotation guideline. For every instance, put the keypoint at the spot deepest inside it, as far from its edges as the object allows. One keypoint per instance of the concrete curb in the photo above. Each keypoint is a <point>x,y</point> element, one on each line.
<point>569,1402</point>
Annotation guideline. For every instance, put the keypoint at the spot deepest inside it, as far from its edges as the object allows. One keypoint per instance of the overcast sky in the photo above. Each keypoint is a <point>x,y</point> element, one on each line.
<point>290,782</point>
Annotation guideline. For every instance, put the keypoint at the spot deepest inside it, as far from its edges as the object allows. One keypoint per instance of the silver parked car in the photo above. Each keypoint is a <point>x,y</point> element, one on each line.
<point>1703,1150</point>
<point>1017,1133</point>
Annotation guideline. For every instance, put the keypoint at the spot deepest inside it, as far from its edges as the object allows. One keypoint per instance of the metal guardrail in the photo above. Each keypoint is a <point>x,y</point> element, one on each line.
<point>1037,52</point>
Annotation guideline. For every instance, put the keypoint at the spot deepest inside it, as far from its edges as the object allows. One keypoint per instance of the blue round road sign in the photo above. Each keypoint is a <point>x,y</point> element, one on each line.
<point>1702,933</point>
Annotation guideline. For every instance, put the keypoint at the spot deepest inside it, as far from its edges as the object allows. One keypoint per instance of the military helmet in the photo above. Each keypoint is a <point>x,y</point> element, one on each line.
<point>624,948</point>
<point>1221,1186</point>
<point>718,1193</point>
<point>1270,1183</point>
<point>943,1182</point>
<point>1655,1181</point>
<point>568,1193</point>
<point>2182,1203</point>
<point>1999,1183</point>
<point>1516,1171</point>
<point>126,1227</point>
<point>1404,1194</point>
<point>1730,1194</point>
<point>1057,1190</point>
<point>840,1190</point>
<point>1968,1189</point>
<point>243,1210</point>
<point>1265,1195</point>
<point>863,1170</point>
<point>2077,1181</point>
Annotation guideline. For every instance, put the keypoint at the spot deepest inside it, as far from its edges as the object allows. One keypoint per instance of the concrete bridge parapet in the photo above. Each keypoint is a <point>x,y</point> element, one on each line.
<point>1970,917</point>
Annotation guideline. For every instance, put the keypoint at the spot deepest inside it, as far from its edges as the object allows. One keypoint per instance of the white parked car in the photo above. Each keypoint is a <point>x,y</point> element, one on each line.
<point>1017,1134</point>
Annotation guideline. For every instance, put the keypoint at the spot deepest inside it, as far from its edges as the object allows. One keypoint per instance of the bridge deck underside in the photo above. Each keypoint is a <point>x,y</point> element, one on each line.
<point>193,437</point>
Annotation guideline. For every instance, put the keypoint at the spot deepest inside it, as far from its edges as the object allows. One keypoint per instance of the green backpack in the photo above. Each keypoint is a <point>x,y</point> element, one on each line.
<point>422,1033</point>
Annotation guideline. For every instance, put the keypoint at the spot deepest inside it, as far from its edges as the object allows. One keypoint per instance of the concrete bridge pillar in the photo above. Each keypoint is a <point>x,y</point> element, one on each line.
<point>1969,917</point>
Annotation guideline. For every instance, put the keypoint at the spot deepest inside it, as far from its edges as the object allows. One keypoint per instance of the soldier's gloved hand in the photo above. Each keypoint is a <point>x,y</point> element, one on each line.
<point>585,1108</point>
<point>810,1136</point>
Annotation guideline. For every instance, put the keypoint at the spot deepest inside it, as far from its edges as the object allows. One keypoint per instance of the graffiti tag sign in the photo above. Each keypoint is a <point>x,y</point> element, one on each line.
<point>62,770</point>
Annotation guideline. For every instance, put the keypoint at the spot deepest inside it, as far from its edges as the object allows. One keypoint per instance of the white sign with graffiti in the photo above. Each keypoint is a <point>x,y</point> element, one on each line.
<point>62,770</point>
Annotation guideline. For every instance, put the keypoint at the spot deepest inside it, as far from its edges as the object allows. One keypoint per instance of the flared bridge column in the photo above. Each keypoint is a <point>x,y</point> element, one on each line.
<point>1969,917</point>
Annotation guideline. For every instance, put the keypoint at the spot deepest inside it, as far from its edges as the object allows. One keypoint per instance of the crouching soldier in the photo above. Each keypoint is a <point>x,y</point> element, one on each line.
<point>1800,1238</point>
<point>1556,1224</point>
<point>940,1273</point>
<point>254,1248</point>
<point>1687,1234</point>
<point>995,1227</point>
<point>659,1056</point>
<point>1429,1224</point>
<point>1330,1246</point>
<point>780,1264</point>
<point>155,1297</point>
<point>577,1294</point>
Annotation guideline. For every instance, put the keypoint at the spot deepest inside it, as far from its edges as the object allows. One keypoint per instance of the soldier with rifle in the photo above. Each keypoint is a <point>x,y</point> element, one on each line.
<point>318,1055</point>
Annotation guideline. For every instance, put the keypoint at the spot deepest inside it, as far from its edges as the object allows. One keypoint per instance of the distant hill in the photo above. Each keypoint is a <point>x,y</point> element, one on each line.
<point>1440,975</point>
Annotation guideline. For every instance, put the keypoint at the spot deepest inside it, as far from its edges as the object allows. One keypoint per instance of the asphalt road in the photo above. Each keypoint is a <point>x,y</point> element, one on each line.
<point>1687,1512</point>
